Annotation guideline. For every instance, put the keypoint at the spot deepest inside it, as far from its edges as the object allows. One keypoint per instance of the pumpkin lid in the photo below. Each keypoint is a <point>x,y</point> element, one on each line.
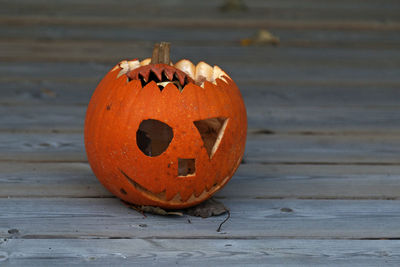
<point>162,71</point>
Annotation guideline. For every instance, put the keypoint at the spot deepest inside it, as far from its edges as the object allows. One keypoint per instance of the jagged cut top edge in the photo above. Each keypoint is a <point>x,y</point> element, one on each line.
<point>199,73</point>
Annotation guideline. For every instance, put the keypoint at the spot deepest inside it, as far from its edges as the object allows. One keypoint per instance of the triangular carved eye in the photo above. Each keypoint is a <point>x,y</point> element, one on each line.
<point>211,131</point>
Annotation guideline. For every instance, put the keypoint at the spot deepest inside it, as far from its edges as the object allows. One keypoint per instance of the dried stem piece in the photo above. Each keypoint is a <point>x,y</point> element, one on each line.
<point>161,53</point>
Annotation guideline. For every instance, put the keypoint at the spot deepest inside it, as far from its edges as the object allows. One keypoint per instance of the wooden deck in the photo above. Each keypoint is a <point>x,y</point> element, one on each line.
<point>320,184</point>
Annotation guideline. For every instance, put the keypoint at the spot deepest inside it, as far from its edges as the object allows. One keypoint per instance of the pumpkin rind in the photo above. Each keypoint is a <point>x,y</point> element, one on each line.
<point>114,114</point>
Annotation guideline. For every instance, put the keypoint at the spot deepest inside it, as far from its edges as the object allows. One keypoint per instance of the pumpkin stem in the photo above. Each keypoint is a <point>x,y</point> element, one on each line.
<point>161,53</point>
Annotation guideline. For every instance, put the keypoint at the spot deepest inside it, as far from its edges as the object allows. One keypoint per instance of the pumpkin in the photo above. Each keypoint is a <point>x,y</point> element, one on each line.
<point>163,134</point>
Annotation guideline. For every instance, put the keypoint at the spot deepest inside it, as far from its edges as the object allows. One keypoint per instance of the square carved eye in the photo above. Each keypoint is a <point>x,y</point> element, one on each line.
<point>153,137</point>
<point>211,131</point>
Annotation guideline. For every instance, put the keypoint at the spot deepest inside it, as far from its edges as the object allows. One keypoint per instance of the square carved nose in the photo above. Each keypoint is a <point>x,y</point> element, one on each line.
<point>186,167</point>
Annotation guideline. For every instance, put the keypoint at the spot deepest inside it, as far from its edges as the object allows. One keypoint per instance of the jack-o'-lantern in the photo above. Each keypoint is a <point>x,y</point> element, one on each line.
<point>163,134</point>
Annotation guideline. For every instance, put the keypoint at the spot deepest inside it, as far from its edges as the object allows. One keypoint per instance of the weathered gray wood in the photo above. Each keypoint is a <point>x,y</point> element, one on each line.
<point>20,179</point>
<point>314,182</point>
<point>260,148</point>
<point>49,180</point>
<point>324,119</point>
<point>47,118</point>
<point>133,11</point>
<point>323,4</point>
<point>199,252</point>
<point>263,93</point>
<point>254,218</point>
<point>111,52</point>
<point>42,118</point>
<point>35,146</point>
<point>323,149</point>
<point>157,22</point>
<point>125,35</point>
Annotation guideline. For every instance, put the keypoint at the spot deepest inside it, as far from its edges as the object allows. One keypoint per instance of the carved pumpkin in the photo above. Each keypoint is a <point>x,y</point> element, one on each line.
<point>165,135</point>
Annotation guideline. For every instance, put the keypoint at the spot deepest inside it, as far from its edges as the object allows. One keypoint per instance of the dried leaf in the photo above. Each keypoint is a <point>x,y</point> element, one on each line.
<point>208,208</point>
<point>263,37</point>
<point>159,211</point>
<point>152,210</point>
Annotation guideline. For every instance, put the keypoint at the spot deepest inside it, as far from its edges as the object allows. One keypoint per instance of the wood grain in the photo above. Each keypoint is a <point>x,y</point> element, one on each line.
<point>269,93</point>
<point>124,36</point>
<point>45,218</point>
<point>251,181</point>
<point>111,52</point>
<point>260,148</point>
<point>281,119</point>
<point>288,14</point>
<point>319,184</point>
<point>199,252</point>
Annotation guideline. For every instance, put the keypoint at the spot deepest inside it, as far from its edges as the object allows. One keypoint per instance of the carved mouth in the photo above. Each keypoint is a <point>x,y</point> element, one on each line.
<point>187,71</point>
<point>142,189</point>
<point>177,198</point>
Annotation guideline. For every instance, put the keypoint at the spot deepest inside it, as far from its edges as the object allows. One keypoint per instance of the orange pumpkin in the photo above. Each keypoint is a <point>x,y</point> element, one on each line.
<point>165,135</point>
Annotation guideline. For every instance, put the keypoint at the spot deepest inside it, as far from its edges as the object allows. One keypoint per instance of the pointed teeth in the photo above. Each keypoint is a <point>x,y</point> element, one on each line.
<point>187,67</point>
<point>169,73</point>
<point>204,72</point>
<point>181,77</point>
<point>145,62</point>
<point>145,75</point>
<point>158,73</point>
<point>200,73</point>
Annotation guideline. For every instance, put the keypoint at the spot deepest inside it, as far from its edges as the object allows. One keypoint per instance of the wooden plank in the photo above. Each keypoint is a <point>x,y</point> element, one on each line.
<point>39,118</point>
<point>258,57</point>
<point>144,11</point>
<point>136,11</point>
<point>20,179</point>
<point>276,64</point>
<point>39,147</point>
<point>262,93</point>
<point>324,4</point>
<point>199,252</point>
<point>314,182</point>
<point>40,35</point>
<point>321,119</point>
<point>49,180</point>
<point>323,149</point>
<point>260,148</point>
<point>366,24</point>
<point>282,119</point>
<point>50,218</point>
